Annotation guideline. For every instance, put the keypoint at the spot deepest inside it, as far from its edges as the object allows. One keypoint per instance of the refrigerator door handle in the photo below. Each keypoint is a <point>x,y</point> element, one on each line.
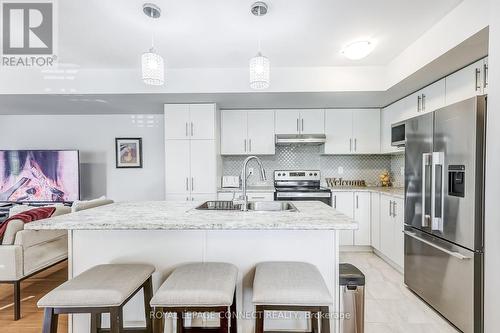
<point>437,194</point>
<point>426,161</point>
<point>457,255</point>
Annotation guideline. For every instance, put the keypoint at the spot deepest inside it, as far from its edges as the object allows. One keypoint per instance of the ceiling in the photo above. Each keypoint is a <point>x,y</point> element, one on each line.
<point>223,33</point>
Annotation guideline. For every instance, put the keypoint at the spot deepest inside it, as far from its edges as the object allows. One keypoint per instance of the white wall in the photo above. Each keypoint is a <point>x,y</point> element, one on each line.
<point>94,136</point>
<point>492,208</point>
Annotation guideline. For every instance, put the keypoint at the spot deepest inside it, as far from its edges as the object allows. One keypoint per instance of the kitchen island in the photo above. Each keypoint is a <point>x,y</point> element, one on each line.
<point>168,234</point>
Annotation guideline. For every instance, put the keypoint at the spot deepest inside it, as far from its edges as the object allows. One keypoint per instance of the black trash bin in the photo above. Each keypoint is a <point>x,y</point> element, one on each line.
<point>352,299</point>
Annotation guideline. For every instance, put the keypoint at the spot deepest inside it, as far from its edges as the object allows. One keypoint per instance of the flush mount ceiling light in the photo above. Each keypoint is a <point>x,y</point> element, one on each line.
<point>259,65</point>
<point>153,66</point>
<point>358,50</point>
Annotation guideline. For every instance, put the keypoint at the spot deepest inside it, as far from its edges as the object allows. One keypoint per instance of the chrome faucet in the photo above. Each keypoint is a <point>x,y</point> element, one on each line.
<point>244,196</point>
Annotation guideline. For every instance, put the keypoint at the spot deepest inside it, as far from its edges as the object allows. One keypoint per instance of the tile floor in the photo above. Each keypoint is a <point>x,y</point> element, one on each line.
<point>390,307</point>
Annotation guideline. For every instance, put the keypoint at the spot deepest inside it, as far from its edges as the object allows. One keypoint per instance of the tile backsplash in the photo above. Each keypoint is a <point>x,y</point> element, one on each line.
<point>349,167</point>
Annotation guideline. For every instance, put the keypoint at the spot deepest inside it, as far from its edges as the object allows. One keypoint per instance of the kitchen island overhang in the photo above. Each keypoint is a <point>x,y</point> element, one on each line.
<point>168,234</point>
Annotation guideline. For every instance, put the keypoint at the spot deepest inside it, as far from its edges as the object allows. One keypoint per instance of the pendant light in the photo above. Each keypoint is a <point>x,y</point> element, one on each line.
<point>259,65</point>
<point>153,66</point>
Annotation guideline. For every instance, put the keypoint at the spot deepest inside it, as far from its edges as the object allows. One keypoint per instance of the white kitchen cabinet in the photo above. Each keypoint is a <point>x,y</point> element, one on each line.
<point>375,220</point>
<point>432,97</point>
<point>303,121</point>
<point>233,132</point>
<point>247,132</point>
<point>466,83</point>
<point>352,131</point>
<point>193,197</point>
<point>190,121</point>
<point>190,167</point>
<point>391,228</point>
<point>344,203</point>
<point>362,215</point>
<point>252,196</point>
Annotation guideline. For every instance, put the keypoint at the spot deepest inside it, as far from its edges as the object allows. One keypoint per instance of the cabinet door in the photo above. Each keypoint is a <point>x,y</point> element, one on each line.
<point>202,121</point>
<point>177,121</point>
<point>312,121</point>
<point>233,132</point>
<point>362,214</point>
<point>338,130</point>
<point>260,196</point>
<point>433,97</point>
<point>287,121</point>
<point>344,203</point>
<point>228,196</point>
<point>398,209</point>
<point>203,167</point>
<point>177,167</point>
<point>375,219</point>
<point>366,131</point>
<point>261,132</point>
<point>386,226</point>
<point>464,84</point>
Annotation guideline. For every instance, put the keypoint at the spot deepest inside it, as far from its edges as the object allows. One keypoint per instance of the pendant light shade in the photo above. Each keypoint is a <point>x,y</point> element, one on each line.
<point>259,72</point>
<point>153,68</point>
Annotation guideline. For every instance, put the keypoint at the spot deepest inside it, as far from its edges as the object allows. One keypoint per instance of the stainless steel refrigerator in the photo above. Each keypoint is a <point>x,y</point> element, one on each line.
<point>444,190</point>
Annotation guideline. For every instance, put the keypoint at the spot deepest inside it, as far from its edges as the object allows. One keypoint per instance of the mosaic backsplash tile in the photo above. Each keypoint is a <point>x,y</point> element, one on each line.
<point>365,167</point>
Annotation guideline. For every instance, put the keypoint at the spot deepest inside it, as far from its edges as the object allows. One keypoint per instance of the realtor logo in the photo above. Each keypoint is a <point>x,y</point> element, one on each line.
<point>27,34</point>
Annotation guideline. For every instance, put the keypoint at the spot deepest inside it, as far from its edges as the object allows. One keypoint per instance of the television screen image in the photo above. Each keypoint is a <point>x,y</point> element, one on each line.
<point>39,176</point>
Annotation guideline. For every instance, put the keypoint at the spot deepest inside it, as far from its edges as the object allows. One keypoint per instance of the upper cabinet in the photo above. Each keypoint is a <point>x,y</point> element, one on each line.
<point>352,131</point>
<point>247,132</point>
<point>190,121</point>
<point>467,82</point>
<point>304,121</point>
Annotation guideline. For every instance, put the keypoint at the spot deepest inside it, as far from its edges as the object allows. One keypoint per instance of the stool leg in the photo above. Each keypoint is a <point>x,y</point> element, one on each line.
<point>116,319</point>
<point>49,321</point>
<point>180,322</point>
<point>259,319</point>
<point>224,322</point>
<point>148,294</point>
<point>314,322</point>
<point>325,319</point>
<point>95,322</point>
<point>234,314</point>
<point>158,320</point>
<point>17,300</point>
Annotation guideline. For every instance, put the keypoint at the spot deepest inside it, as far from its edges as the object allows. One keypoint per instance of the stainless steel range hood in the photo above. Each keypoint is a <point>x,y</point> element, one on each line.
<point>300,139</point>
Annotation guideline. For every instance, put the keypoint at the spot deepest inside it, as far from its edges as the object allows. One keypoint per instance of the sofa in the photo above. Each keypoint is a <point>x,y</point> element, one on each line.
<point>24,253</point>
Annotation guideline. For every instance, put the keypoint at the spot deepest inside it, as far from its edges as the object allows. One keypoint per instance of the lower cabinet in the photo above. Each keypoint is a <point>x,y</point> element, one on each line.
<point>356,205</point>
<point>391,228</point>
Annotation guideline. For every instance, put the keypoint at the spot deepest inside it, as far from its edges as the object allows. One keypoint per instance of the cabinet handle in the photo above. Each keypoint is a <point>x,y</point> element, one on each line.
<point>390,208</point>
<point>192,129</point>
<point>187,184</point>
<point>192,184</point>
<point>423,102</point>
<point>485,76</point>
<point>245,145</point>
<point>250,145</point>
<point>350,144</point>
<point>357,201</point>
<point>187,198</point>
<point>419,99</point>
<point>355,144</point>
<point>297,125</point>
<point>187,134</point>
<point>478,74</point>
<point>302,124</point>
<point>335,201</point>
<point>394,208</point>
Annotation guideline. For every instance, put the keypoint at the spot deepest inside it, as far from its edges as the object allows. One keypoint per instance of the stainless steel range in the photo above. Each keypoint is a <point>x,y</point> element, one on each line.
<point>300,185</point>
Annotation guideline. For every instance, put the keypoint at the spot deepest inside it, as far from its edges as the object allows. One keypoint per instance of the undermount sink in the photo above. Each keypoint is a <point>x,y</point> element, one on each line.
<point>257,206</point>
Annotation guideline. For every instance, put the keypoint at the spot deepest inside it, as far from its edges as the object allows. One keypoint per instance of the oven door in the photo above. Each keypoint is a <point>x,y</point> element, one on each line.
<point>325,197</point>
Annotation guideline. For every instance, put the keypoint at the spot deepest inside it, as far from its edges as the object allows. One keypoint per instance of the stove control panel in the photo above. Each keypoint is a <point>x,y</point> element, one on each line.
<point>297,175</point>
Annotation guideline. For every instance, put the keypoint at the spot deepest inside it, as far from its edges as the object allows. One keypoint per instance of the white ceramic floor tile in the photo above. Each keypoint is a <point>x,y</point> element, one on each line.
<point>390,307</point>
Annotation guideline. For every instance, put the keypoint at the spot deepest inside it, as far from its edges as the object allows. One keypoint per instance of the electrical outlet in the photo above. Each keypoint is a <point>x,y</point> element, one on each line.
<point>340,170</point>
<point>250,171</point>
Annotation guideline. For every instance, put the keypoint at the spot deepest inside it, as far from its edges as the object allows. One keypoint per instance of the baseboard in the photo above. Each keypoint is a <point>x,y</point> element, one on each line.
<point>389,261</point>
<point>356,248</point>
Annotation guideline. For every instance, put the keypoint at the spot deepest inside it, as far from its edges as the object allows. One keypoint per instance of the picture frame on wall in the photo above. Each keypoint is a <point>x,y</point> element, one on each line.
<point>128,153</point>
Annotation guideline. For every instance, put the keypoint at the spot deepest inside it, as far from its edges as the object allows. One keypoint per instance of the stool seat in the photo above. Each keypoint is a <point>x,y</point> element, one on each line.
<point>198,284</point>
<point>289,283</point>
<point>100,286</point>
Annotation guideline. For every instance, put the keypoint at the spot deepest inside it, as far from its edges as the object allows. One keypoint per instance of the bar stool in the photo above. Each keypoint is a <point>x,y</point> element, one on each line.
<point>200,288</point>
<point>291,286</point>
<point>100,289</point>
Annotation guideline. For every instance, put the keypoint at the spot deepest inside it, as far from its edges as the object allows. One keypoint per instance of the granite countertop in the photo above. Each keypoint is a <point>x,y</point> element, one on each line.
<point>250,189</point>
<point>398,192</point>
<point>167,215</point>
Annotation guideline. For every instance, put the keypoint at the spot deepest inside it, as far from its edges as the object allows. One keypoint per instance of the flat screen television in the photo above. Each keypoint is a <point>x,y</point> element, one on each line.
<point>36,176</point>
